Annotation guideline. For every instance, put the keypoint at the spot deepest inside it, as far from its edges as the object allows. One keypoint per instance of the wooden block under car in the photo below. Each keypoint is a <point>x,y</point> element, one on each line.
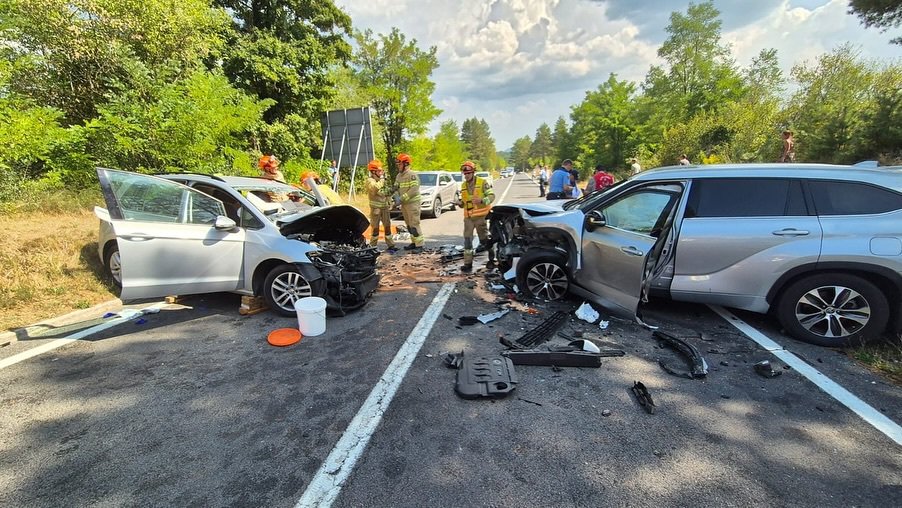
<point>251,305</point>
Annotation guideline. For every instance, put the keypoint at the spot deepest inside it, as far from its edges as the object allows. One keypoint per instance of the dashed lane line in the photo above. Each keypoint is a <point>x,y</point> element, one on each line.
<point>325,486</point>
<point>867,412</point>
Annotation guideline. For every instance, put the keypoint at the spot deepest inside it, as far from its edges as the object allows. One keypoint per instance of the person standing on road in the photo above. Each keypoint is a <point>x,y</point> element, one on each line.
<point>634,166</point>
<point>543,181</point>
<point>789,148</point>
<point>559,185</point>
<point>270,167</point>
<point>379,194</point>
<point>409,192</point>
<point>476,196</point>
<point>333,175</point>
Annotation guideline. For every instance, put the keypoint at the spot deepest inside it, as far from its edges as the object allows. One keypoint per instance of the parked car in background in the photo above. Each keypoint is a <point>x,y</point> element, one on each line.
<point>458,178</point>
<point>438,191</point>
<point>506,172</point>
<point>818,246</point>
<point>182,234</point>
<point>485,175</point>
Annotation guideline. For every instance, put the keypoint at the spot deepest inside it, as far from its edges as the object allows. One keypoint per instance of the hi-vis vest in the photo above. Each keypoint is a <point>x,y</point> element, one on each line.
<point>408,187</point>
<point>375,190</point>
<point>483,191</point>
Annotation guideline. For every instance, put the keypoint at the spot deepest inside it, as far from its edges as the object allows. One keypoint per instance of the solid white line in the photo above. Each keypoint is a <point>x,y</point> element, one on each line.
<point>326,484</point>
<point>510,184</point>
<point>868,413</point>
<point>125,315</point>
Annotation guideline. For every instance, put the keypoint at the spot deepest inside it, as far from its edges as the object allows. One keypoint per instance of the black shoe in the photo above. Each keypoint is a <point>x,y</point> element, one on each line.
<point>410,247</point>
<point>466,268</point>
<point>490,264</point>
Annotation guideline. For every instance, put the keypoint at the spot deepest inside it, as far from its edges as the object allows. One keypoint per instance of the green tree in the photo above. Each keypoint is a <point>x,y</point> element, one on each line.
<point>883,14</point>
<point>477,137</point>
<point>448,150</point>
<point>542,149</point>
<point>395,75</point>
<point>605,123</point>
<point>882,135</point>
<point>520,153</point>
<point>562,140</point>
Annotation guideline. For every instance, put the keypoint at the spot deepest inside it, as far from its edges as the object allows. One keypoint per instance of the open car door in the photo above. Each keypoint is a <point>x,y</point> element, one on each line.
<point>621,240</point>
<point>172,240</point>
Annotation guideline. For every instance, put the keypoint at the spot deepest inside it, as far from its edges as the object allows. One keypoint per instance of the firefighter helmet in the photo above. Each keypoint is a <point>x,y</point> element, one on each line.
<point>403,157</point>
<point>374,165</point>
<point>468,167</point>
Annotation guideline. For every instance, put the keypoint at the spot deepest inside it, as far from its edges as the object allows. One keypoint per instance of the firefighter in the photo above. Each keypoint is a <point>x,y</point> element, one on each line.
<point>409,192</point>
<point>476,196</point>
<point>270,167</point>
<point>379,193</point>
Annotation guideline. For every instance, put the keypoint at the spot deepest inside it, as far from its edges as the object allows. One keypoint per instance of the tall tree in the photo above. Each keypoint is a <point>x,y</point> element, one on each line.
<point>605,122</point>
<point>477,137</point>
<point>561,140</point>
<point>520,153</point>
<point>282,50</point>
<point>883,14</point>
<point>395,75</point>
<point>448,150</point>
<point>542,148</point>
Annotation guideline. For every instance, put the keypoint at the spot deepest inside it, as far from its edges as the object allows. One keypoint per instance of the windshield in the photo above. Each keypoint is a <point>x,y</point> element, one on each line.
<point>458,177</point>
<point>589,200</point>
<point>276,199</point>
<point>427,180</point>
<point>482,174</point>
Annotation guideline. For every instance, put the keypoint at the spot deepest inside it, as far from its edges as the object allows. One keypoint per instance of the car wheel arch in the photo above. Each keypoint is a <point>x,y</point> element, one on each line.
<point>887,280</point>
<point>309,272</point>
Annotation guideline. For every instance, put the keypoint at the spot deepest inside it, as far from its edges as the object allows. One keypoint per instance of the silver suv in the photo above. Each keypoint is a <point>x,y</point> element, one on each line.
<point>819,246</point>
<point>438,191</point>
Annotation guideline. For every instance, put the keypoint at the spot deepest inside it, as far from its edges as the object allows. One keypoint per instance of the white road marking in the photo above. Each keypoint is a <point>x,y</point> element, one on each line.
<point>124,315</point>
<point>325,486</point>
<point>510,184</point>
<point>868,413</point>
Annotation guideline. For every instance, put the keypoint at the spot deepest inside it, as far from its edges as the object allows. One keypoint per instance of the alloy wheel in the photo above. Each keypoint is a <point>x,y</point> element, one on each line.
<point>833,311</point>
<point>547,281</point>
<point>287,288</point>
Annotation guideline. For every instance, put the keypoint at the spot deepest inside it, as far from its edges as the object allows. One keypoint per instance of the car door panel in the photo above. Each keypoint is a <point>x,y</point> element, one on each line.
<point>166,238</point>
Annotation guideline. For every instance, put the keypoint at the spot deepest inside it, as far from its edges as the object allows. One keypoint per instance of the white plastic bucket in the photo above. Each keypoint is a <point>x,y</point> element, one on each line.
<point>311,315</point>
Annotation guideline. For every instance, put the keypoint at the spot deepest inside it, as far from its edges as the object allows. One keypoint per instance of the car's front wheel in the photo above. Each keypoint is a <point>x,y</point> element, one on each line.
<point>436,207</point>
<point>833,309</point>
<point>543,276</point>
<point>112,262</point>
<point>283,286</point>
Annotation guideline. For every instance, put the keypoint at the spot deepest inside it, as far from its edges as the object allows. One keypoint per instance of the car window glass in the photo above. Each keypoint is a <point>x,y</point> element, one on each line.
<point>851,198</point>
<point>203,209</point>
<point>143,198</point>
<point>640,211</point>
<point>231,204</point>
<point>426,180</point>
<point>738,197</point>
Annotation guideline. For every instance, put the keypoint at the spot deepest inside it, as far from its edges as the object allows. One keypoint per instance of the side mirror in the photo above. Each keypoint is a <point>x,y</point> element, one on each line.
<point>224,223</point>
<point>595,219</point>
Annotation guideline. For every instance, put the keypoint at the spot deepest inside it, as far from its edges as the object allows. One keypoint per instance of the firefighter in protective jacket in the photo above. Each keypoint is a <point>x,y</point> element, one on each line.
<point>379,192</point>
<point>476,196</point>
<point>409,191</point>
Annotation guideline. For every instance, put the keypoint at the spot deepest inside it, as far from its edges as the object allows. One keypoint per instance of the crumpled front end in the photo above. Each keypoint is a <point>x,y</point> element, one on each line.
<point>349,274</point>
<point>518,229</point>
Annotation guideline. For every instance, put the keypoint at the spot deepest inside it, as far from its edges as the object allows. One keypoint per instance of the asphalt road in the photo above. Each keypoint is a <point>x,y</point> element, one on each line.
<point>191,406</point>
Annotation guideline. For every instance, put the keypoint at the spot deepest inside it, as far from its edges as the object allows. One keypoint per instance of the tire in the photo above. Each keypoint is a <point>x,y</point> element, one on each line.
<point>436,208</point>
<point>543,276</point>
<point>283,286</point>
<point>833,309</point>
<point>112,264</point>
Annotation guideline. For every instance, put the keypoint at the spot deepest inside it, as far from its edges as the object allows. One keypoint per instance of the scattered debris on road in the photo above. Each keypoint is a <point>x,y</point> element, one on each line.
<point>485,376</point>
<point>697,364</point>
<point>643,397</point>
<point>765,369</point>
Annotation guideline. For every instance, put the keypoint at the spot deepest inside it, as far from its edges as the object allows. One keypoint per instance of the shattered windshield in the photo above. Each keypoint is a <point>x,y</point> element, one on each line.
<point>276,200</point>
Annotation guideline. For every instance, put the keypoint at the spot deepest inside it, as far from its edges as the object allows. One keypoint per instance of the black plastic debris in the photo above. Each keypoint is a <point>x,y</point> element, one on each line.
<point>453,360</point>
<point>467,320</point>
<point>698,367</point>
<point>553,358</point>
<point>643,397</point>
<point>765,369</point>
<point>485,376</point>
<point>544,331</point>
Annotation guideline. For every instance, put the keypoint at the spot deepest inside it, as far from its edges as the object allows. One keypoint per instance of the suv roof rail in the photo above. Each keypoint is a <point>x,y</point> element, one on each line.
<point>214,177</point>
<point>866,164</point>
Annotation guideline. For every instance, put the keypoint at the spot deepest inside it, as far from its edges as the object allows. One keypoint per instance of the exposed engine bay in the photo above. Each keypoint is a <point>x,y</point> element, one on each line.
<point>347,266</point>
<point>513,236</point>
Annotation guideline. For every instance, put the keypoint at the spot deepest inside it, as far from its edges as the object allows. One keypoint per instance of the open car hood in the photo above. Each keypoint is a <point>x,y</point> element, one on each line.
<point>336,223</point>
<point>533,209</point>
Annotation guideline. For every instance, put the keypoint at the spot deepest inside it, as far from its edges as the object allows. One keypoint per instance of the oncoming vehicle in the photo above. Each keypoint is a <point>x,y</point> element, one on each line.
<point>181,234</point>
<point>506,172</point>
<point>818,246</point>
<point>438,191</point>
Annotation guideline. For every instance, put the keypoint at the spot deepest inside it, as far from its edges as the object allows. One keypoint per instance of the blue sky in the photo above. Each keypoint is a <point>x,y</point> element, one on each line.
<point>519,63</point>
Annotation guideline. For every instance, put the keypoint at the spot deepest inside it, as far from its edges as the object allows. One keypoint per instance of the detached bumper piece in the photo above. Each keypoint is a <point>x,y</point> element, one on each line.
<point>697,364</point>
<point>554,358</point>
<point>643,397</point>
<point>350,276</point>
<point>485,376</point>
<point>543,332</point>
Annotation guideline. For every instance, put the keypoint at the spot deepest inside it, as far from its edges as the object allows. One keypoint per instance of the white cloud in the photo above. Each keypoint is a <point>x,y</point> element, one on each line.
<point>519,63</point>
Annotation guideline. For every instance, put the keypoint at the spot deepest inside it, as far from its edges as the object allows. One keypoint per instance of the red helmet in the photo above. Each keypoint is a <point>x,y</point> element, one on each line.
<point>374,165</point>
<point>403,157</point>
<point>468,167</point>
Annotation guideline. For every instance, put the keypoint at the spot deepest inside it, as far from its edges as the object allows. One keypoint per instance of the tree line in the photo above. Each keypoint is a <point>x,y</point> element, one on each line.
<point>842,108</point>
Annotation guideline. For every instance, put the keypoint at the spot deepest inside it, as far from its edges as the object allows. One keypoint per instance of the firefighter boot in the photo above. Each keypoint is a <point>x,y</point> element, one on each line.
<point>467,267</point>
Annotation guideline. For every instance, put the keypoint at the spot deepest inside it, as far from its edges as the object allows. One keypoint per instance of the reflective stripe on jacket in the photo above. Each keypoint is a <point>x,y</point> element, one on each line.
<point>409,187</point>
<point>376,191</point>
<point>483,191</point>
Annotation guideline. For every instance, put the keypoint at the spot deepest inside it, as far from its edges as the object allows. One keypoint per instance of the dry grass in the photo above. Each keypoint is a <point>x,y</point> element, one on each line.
<point>51,266</point>
<point>885,358</point>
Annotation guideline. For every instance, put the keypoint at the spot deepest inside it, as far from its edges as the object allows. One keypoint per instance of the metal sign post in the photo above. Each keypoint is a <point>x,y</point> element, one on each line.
<point>341,129</point>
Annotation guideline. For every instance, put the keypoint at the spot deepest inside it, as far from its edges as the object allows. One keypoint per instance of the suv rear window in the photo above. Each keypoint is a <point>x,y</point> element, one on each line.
<point>851,198</point>
<point>746,197</point>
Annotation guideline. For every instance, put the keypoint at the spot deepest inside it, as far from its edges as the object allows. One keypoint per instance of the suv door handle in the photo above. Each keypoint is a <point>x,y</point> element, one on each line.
<point>790,232</point>
<point>632,251</point>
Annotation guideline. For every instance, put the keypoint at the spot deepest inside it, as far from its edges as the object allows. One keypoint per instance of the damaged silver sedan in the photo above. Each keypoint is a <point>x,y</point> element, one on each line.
<point>818,246</point>
<point>183,234</point>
